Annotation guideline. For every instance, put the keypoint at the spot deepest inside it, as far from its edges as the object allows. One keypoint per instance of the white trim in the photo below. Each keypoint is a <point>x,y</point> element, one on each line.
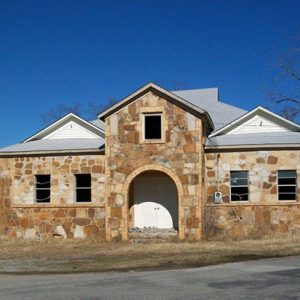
<point>288,124</point>
<point>239,201</point>
<point>257,146</point>
<point>296,188</point>
<point>58,122</point>
<point>82,188</point>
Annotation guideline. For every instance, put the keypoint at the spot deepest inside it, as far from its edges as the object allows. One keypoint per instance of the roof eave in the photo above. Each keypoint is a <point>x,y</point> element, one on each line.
<point>252,147</point>
<point>47,152</point>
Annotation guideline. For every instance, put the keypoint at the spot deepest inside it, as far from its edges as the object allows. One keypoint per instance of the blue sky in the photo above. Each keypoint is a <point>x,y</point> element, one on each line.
<point>55,52</point>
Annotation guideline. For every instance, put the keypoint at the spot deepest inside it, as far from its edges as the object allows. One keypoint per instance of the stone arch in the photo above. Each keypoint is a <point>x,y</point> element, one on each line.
<point>126,188</point>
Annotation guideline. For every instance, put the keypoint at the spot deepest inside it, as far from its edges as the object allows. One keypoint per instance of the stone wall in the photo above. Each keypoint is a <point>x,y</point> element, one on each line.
<point>179,155</point>
<point>22,217</point>
<point>263,213</point>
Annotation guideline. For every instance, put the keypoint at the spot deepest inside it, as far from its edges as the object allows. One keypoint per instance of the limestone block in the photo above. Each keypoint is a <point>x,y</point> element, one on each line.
<point>79,232</point>
<point>119,199</point>
<point>30,233</point>
<point>192,190</point>
<point>60,231</point>
<point>248,217</point>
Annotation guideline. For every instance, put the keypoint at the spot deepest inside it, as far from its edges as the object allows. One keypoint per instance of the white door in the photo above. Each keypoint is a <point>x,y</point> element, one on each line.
<point>155,202</point>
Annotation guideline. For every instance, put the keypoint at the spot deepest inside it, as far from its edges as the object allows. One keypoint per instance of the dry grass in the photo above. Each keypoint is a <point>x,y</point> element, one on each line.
<point>64,256</point>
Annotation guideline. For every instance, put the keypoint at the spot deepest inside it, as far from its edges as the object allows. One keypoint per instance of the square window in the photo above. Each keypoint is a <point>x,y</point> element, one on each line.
<point>83,188</point>
<point>152,127</point>
<point>287,185</point>
<point>42,188</point>
<point>239,186</point>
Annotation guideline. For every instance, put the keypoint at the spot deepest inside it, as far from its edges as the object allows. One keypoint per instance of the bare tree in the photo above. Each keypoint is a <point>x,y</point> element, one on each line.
<point>88,111</point>
<point>61,110</point>
<point>286,93</point>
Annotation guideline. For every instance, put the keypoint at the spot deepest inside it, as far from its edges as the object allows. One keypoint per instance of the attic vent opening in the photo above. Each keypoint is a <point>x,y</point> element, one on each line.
<point>152,127</point>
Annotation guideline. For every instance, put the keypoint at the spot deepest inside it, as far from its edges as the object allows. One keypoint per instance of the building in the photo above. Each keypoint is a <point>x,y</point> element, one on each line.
<point>181,160</point>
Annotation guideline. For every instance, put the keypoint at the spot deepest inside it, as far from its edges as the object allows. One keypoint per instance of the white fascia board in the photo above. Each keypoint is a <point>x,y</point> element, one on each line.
<point>239,120</point>
<point>254,147</point>
<point>61,121</point>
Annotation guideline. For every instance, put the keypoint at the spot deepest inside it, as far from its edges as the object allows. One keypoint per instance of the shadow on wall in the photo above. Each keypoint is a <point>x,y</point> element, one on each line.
<point>153,201</point>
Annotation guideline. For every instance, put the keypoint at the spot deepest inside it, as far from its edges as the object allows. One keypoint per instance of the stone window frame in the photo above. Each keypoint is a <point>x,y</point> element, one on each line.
<point>159,110</point>
<point>230,186</point>
<point>75,189</point>
<point>36,189</point>
<point>296,186</point>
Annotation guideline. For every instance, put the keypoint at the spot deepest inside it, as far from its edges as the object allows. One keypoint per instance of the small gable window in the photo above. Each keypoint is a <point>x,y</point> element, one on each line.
<point>83,188</point>
<point>42,188</point>
<point>287,185</point>
<point>239,185</point>
<point>152,126</point>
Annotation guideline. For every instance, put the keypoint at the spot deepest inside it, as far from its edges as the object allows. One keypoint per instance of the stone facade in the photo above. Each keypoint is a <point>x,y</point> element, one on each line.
<point>263,213</point>
<point>179,155</point>
<point>22,217</point>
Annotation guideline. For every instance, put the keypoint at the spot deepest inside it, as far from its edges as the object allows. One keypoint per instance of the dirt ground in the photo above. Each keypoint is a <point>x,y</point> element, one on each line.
<point>71,256</point>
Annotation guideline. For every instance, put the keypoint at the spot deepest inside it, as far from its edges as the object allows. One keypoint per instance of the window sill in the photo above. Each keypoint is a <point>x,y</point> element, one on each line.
<point>248,203</point>
<point>154,141</point>
<point>75,205</point>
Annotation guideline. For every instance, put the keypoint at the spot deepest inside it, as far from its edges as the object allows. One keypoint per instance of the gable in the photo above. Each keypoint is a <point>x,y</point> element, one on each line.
<point>160,92</point>
<point>259,120</point>
<point>71,130</point>
<point>68,127</point>
<point>258,124</point>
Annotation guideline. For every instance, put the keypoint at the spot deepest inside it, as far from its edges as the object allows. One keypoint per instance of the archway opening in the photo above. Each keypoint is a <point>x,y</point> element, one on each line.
<point>153,202</point>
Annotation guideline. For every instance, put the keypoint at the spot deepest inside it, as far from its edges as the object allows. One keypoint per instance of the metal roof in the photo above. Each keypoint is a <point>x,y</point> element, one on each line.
<point>55,145</point>
<point>221,113</point>
<point>100,124</point>
<point>184,103</point>
<point>200,100</point>
<point>254,139</point>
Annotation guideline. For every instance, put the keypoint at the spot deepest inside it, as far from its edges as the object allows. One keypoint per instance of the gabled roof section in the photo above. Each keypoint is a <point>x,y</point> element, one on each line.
<point>209,100</point>
<point>258,120</point>
<point>50,146</point>
<point>169,96</point>
<point>69,126</point>
<point>254,140</point>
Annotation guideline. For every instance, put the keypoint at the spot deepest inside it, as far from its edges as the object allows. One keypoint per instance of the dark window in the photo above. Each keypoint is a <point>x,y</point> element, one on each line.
<point>152,127</point>
<point>42,188</point>
<point>83,188</point>
<point>287,185</point>
<point>239,186</point>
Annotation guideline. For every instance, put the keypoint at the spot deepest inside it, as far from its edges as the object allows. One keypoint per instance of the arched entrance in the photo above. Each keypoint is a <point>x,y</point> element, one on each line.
<point>127,192</point>
<point>153,201</point>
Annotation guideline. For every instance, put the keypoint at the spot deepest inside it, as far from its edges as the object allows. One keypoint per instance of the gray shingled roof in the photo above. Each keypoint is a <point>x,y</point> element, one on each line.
<point>221,113</point>
<point>55,145</point>
<point>249,139</point>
